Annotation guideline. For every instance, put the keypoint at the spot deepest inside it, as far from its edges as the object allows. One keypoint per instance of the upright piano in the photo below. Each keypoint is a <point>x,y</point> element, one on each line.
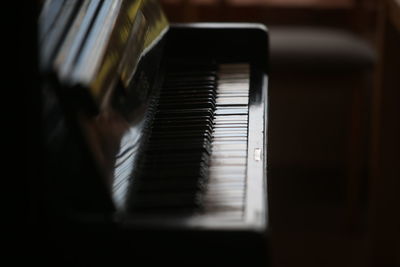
<point>155,136</point>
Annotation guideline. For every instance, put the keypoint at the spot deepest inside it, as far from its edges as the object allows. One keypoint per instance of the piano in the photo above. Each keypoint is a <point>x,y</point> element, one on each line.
<point>155,136</point>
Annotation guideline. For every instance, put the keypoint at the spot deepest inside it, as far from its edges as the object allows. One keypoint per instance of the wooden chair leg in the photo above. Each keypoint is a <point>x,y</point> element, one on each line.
<point>354,159</point>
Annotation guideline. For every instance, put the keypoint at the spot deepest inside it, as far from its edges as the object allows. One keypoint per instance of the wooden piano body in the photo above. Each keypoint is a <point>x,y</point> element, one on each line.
<point>107,75</point>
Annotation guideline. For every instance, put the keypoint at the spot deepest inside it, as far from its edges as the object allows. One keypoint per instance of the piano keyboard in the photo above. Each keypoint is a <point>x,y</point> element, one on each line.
<point>225,194</point>
<point>195,158</point>
<point>166,143</point>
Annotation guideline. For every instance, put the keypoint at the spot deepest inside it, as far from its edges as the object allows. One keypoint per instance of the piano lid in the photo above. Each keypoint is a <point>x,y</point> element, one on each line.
<point>95,44</point>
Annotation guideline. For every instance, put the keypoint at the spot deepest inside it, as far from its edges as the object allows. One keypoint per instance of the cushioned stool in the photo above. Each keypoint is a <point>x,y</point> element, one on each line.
<point>326,60</point>
<point>318,49</point>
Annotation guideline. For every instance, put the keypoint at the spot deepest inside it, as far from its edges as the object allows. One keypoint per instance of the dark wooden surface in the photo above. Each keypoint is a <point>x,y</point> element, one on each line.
<point>384,212</point>
<point>355,15</point>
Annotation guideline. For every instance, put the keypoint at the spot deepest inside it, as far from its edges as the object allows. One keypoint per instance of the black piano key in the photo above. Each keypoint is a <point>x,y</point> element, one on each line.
<point>167,159</point>
<point>178,96</point>
<point>191,73</point>
<point>185,113</point>
<point>195,126</point>
<point>171,185</point>
<point>188,90</point>
<point>192,119</point>
<point>174,166</point>
<point>162,200</point>
<point>183,147</point>
<point>188,104</point>
<point>184,79</point>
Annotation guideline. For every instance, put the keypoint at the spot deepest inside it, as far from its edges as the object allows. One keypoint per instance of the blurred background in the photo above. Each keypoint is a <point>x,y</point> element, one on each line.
<point>333,130</point>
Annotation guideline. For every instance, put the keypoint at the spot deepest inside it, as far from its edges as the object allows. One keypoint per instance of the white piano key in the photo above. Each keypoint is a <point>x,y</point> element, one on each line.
<point>231,125</point>
<point>235,133</point>
<point>230,118</point>
<point>232,93</point>
<point>227,203</point>
<point>230,135</point>
<point>226,214</point>
<point>229,161</point>
<point>226,147</point>
<point>220,111</point>
<point>225,193</point>
<point>229,154</point>
<point>231,177</point>
<point>232,76</point>
<point>226,184</point>
<point>231,101</point>
<point>233,87</point>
